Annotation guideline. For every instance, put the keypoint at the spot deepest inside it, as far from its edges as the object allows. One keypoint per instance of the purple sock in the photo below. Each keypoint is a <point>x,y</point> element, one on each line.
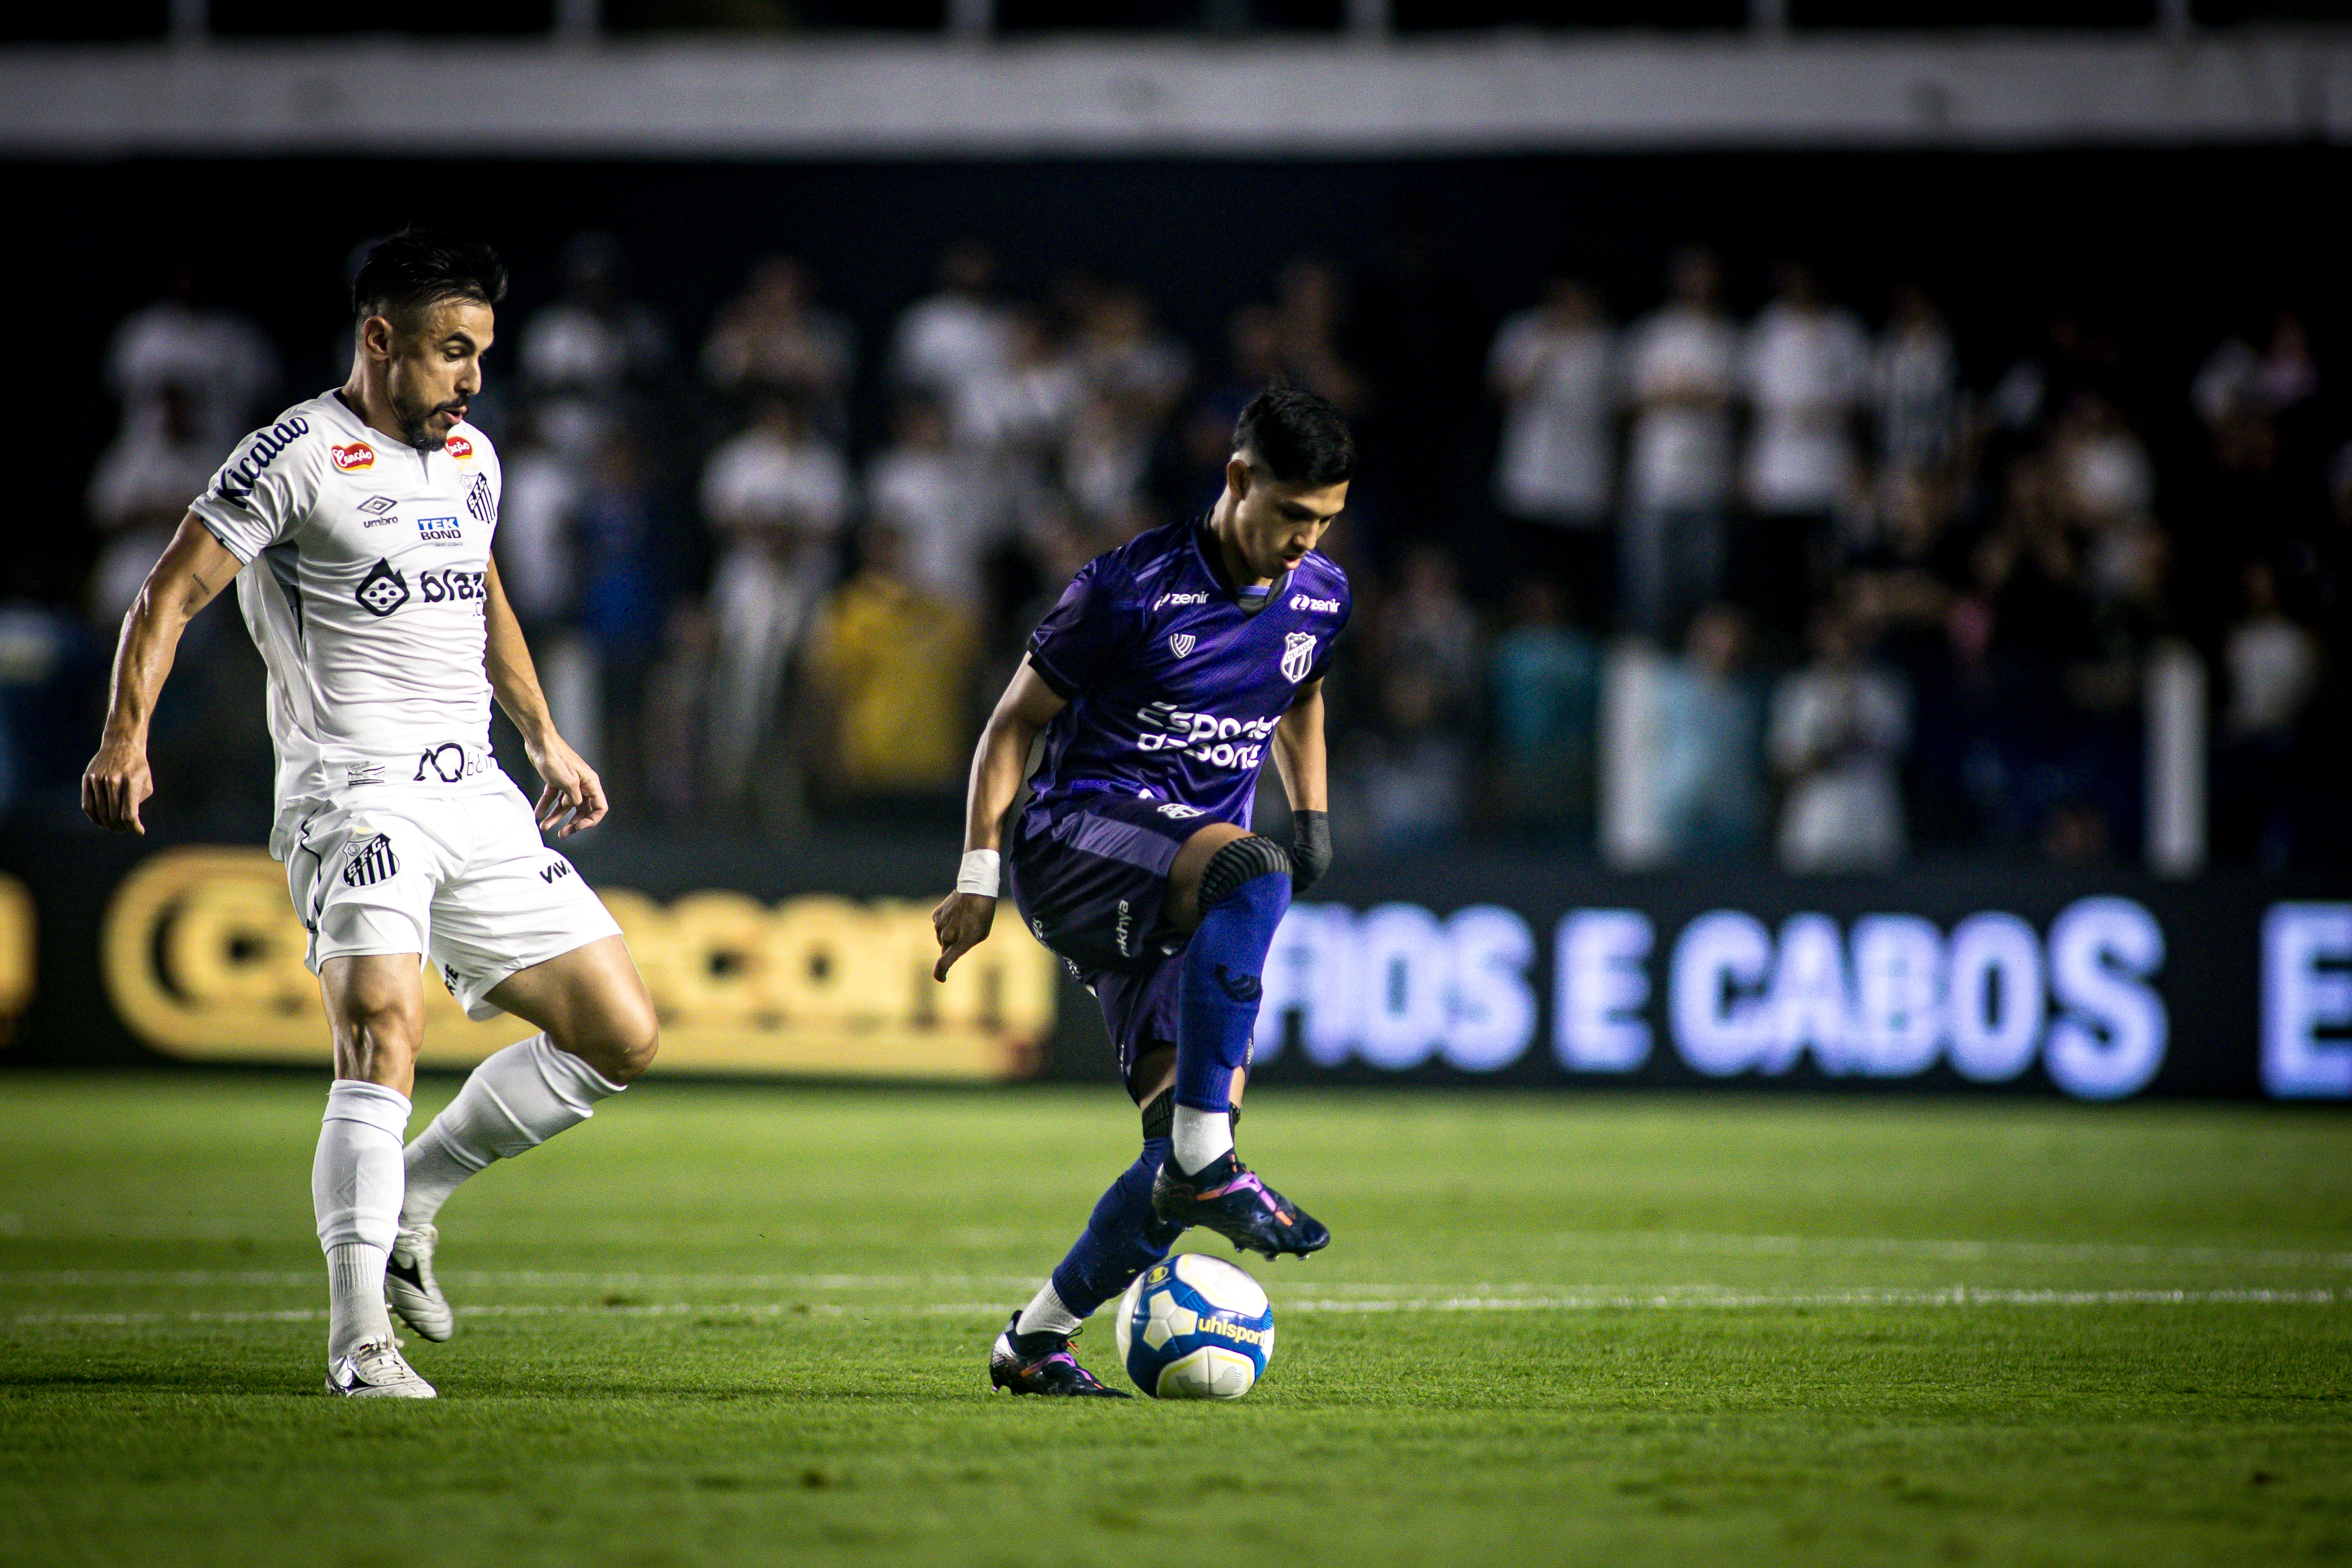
<point>1217,993</point>
<point>1123,1239</point>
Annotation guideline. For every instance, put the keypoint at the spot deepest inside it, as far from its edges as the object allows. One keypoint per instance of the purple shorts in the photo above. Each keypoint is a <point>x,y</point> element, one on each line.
<point>1090,877</point>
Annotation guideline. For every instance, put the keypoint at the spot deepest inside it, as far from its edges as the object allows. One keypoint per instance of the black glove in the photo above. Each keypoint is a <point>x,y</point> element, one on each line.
<point>1311,848</point>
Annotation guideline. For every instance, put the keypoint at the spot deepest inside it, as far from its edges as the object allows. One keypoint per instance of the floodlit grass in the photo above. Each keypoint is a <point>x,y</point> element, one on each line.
<point>749,1324</point>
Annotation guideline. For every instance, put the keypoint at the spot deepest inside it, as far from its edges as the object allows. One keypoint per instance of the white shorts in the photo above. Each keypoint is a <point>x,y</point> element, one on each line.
<point>463,880</point>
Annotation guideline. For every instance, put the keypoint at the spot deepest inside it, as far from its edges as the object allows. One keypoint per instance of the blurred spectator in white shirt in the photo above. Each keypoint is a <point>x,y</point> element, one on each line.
<point>1710,797</point>
<point>777,497</point>
<point>938,499</point>
<point>956,335</point>
<point>1122,353</point>
<point>1024,405</point>
<point>1837,734</point>
<point>2273,666</point>
<point>1553,366</point>
<point>216,365</point>
<point>142,486</point>
<point>1681,368</point>
<point>2273,663</point>
<point>1914,386</point>
<point>585,352</point>
<point>1805,370</point>
<point>538,508</point>
<point>1807,365</point>
<point>2104,473</point>
<point>775,337</point>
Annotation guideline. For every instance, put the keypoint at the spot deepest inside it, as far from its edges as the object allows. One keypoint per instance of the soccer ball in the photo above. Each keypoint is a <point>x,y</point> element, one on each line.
<point>1195,1327</point>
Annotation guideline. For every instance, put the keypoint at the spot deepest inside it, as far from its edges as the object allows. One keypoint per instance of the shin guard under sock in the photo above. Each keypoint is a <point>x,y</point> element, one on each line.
<point>356,1181</point>
<point>1217,1000</point>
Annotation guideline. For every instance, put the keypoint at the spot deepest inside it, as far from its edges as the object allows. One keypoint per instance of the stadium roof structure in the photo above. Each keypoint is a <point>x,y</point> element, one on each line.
<point>879,96</point>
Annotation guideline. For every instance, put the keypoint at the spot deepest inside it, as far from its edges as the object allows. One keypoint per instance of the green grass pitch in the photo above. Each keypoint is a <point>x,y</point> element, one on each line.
<point>748,1325</point>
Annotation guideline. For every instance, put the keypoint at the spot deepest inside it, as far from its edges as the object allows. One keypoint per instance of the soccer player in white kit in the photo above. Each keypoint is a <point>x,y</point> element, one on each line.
<point>358,527</point>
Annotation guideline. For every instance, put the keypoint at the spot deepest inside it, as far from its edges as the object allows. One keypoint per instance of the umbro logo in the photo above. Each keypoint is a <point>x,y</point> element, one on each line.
<point>376,506</point>
<point>383,590</point>
<point>1180,643</point>
<point>550,874</point>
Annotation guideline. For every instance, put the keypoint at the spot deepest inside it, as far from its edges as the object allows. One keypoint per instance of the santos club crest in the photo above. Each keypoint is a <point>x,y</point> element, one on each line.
<point>1298,654</point>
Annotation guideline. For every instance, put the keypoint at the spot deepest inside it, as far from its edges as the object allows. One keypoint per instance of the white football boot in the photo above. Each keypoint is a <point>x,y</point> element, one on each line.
<point>376,1372</point>
<point>409,1285</point>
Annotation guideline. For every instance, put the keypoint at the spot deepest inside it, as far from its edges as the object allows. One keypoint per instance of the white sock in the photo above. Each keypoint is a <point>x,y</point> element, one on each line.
<point>1046,1314</point>
<point>1200,1136</point>
<point>513,1102</point>
<point>355,1187</point>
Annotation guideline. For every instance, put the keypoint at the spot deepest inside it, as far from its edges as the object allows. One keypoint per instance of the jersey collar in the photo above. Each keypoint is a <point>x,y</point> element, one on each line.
<point>1209,564</point>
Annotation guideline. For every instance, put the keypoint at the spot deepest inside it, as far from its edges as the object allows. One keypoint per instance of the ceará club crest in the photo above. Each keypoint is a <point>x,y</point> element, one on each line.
<point>1297,654</point>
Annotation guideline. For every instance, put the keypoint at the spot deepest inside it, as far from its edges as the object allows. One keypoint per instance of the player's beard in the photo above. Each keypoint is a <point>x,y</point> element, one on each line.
<point>417,421</point>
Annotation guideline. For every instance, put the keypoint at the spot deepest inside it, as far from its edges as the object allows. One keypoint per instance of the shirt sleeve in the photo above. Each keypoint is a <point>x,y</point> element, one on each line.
<point>261,494</point>
<point>1073,644</point>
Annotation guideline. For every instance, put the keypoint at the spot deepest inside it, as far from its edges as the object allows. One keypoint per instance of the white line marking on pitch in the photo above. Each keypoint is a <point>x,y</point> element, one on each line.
<point>520,1279</point>
<point>1684,1243</point>
<point>1940,1251</point>
<point>1956,1295</point>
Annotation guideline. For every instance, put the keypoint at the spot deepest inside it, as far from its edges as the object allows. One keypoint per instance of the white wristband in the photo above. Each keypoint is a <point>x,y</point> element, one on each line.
<point>979,873</point>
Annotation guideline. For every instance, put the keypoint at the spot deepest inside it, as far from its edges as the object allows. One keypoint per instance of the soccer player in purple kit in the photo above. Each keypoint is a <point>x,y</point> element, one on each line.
<point>1168,670</point>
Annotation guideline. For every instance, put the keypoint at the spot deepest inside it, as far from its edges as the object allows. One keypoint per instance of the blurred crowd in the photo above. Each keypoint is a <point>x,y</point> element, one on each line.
<point>1900,594</point>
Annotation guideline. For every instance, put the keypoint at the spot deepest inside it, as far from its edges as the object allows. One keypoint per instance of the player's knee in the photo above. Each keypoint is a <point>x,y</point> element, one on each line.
<point>1238,864</point>
<point>378,1028</point>
<point>621,1044</point>
<point>634,1052</point>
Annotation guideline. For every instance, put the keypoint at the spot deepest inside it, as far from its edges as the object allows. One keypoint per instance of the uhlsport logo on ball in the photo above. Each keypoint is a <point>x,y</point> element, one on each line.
<point>1195,1327</point>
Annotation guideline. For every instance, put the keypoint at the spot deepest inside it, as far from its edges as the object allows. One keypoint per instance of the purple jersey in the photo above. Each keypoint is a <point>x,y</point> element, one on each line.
<point>1174,688</point>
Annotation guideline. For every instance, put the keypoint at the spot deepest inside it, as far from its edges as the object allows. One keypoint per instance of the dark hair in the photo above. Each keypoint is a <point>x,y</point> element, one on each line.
<point>418,268</point>
<point>1297,437</point>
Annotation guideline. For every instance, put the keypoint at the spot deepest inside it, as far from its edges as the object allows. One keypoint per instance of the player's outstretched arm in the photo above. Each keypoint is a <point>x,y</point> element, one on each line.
<point>193,568</point>
<point>570,788</point>
<point>1299,756</point>
<point>998,764</point>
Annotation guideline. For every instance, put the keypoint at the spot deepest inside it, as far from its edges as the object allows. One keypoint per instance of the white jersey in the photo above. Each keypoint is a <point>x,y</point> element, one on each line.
<point>366,604</point>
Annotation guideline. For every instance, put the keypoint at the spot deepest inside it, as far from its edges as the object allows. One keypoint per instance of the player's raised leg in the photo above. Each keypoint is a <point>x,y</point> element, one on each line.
<point>376,1008</point>
<point>597,1033</point>
<point>1230,888</point>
